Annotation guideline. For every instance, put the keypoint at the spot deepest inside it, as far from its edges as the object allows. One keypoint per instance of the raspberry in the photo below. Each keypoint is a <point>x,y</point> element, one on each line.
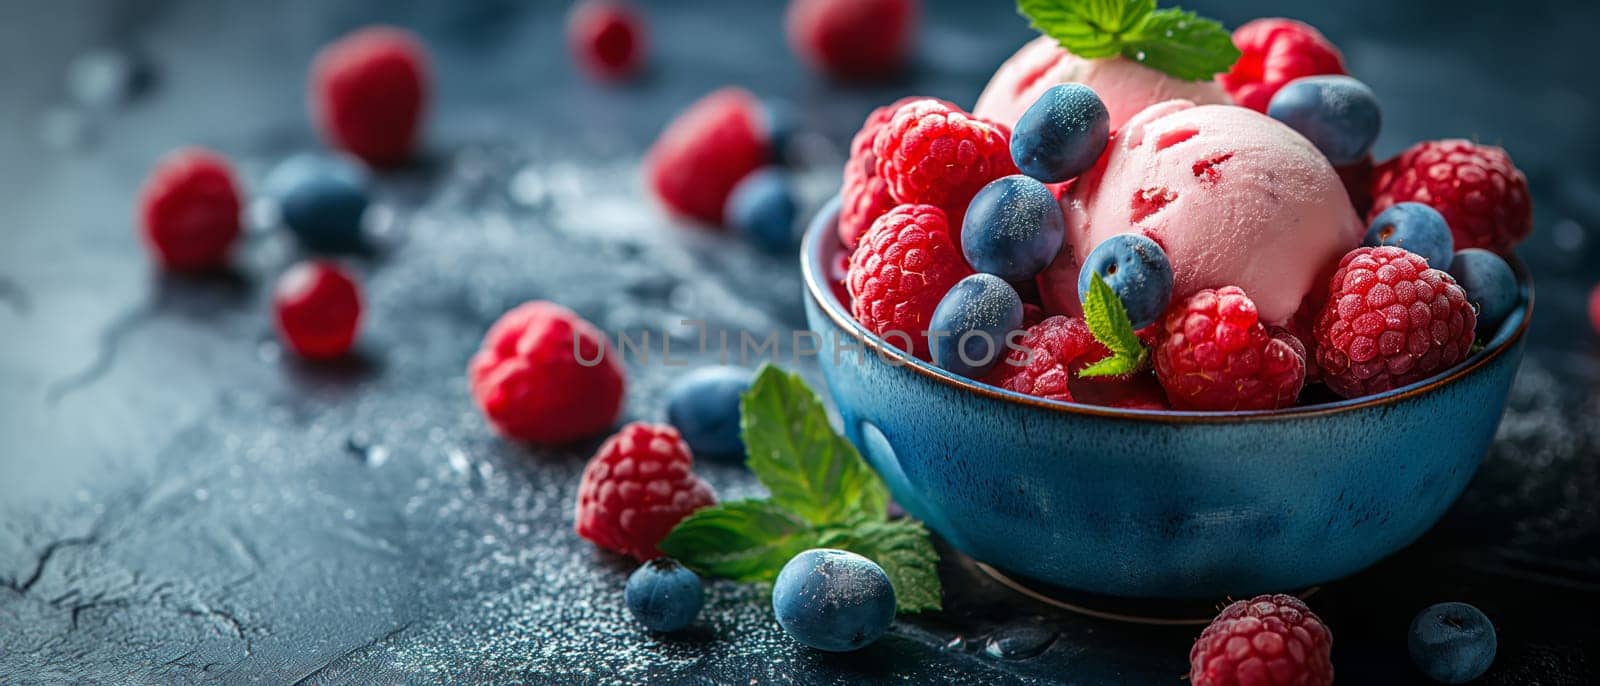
<point>865,196</point>
<point>1276,51</point>
<point>853,39</point>
<point>905,264</point>
<point>1052,352</point>
<point>1594,308</point>
<point>368,93</point>
<point>189,210</point>
<point>933,154</point>
<point>318,309</point>
<point>705,152</point>
<point>607,39</point>
<point>1389,321</point>
<point>1268,640</point>
<point>636,488</point>
<point>544,375</point>
<point>1214,354</point>
<point>1482,195</point>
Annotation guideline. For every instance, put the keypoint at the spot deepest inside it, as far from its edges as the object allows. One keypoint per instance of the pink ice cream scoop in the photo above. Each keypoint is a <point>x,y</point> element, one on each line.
<point>1125,86</point>
<point>1233,196</point>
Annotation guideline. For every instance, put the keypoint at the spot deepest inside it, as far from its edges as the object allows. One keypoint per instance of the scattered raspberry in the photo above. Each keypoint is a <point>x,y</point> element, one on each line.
<point>1482,195</point>
<point>853,39</point>
<point>933,154</point>
<point>1389,321</point>
<point>1594,308</point>
<point>1357,180</point>
<point>1052,352</point>
<point>1276,51</point>
<point>318,309</point>
<point>636,488</point>
<point>544,375</point>
<point>705,152</point>
<point>368,93</point>
<point>864,196</point>
<point>905,264</point>
<point>189,210</point>
<point>1268,640</point>
<point>1214,354</point>
<point>607,38</point>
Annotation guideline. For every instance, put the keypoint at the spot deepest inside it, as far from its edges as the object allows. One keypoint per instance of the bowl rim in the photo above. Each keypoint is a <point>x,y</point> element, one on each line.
<point>823,223</point>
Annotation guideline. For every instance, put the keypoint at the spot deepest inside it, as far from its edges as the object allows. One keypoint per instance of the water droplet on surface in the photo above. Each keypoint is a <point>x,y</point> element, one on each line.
<point>1020,640</point>
<point>360,445</point>
<point>458,461</point>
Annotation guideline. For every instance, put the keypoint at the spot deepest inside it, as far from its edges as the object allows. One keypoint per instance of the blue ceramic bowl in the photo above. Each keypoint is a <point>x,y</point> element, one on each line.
<point>1158,504</point>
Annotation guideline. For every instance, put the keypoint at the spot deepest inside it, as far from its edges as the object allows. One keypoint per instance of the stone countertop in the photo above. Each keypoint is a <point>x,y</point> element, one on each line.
<point>181,501</point>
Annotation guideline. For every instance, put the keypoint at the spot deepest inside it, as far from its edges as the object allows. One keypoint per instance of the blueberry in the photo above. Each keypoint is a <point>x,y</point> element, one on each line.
<point>321,200</point>
<point>1062,134</point>
<point>1013,228</point>
<point>1137,270</point>
<point>1452,643</point>
<point>664,595</point>
<point>1337,114</point>
<point>968,330</point>
<point>778,122</point>
<point>1416,227</point>
<point>704,406</point>
<point>1490,286</point>
<point>833,600</point>
<point>762,208</point>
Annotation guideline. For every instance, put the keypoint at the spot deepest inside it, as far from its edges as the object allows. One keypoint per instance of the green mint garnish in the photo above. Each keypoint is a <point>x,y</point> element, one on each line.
<point>1108,321</point>
<point>1172,40</point>
<point>793,450</point>
<point>823,496</point>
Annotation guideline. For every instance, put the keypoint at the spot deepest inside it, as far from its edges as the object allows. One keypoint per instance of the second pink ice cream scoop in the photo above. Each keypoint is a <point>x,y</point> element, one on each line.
<point>1233,196</point>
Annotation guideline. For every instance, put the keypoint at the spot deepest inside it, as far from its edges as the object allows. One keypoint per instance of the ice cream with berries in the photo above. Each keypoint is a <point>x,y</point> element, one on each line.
<point>1125,86</point>
<point>1234,197</point>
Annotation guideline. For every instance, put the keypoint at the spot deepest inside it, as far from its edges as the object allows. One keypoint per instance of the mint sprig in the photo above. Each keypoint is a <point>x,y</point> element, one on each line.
<point>1108,322</point>
<point>793,450</point>
<point>1174,41</point>
<point>823,496</point>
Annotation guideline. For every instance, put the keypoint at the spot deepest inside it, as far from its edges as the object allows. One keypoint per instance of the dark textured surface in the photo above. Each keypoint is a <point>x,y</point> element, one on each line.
<point>181,502</point>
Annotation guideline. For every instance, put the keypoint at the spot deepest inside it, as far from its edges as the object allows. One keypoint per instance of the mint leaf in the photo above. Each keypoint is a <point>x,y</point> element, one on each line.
<point>1108,321</point>
<point>1182,44</point>
<point>792,448</point>
<point>823,496</point>
<point>902,548</point>
<point>1179,43</point>
<point>744,540</point>
<point>1090,29</point>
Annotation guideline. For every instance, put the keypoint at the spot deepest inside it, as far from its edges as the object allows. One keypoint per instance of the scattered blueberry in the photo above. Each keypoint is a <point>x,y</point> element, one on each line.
<point>1489,284</point>
<point>664,595</point>
<point>778,121</point>
<point>321,200</point>
<point>1452,643</point>
<point>969,328</point>
<point>704,406</point>
<point>1338,114</point>
<point>833,600</point>
<point>1062,134</point>
<point>762,208</point>
<point>1013,228</point>
<point>1416,227</point>
<point>1137,270</point>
